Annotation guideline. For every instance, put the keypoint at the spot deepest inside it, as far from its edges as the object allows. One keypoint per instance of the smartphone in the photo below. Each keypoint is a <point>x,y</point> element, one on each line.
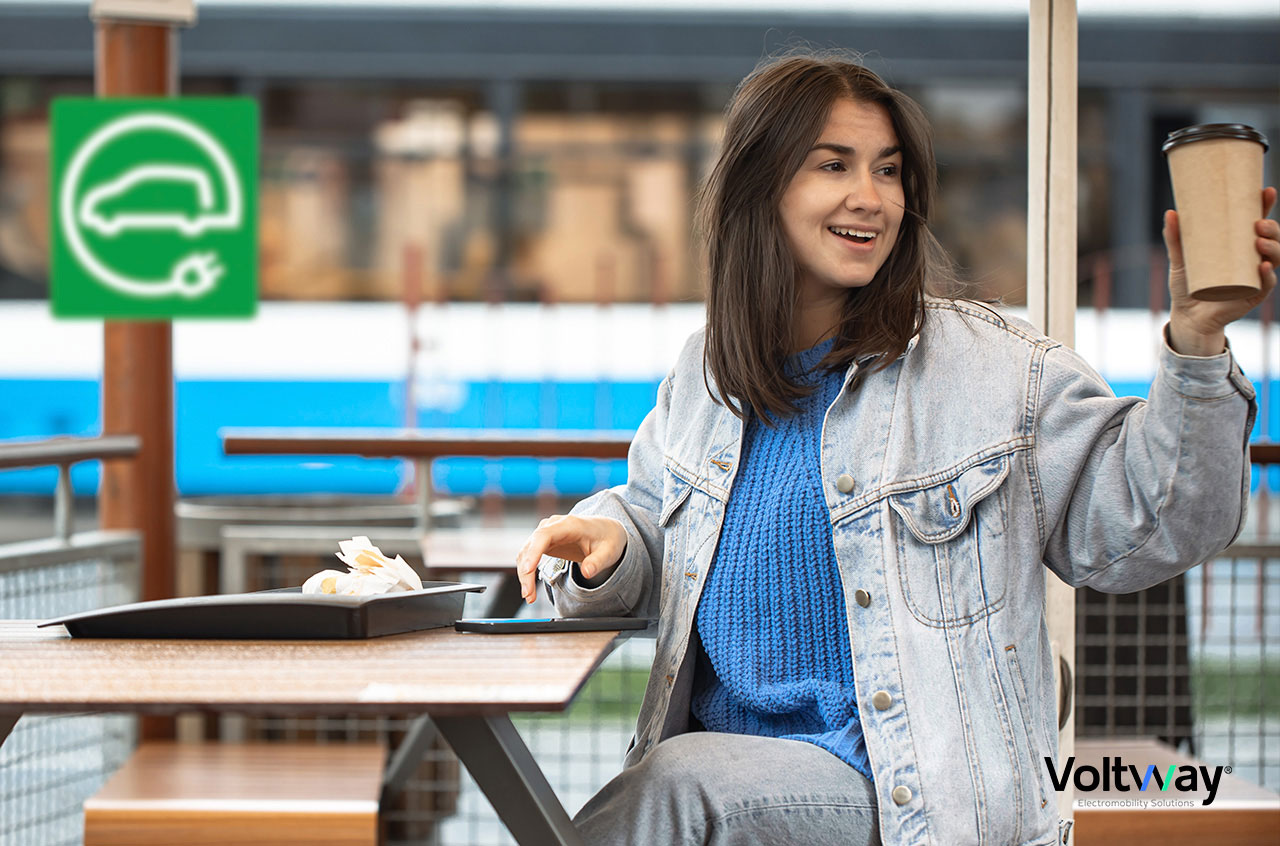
<point>513,625</point>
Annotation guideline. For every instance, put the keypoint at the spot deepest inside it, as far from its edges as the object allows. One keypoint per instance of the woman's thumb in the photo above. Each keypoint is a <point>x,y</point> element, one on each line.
<point>1173,239</point>
<point>592,564</point>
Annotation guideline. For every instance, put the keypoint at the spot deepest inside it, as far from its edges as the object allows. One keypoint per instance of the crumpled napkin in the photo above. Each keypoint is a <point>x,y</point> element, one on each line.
<point>370,572</point>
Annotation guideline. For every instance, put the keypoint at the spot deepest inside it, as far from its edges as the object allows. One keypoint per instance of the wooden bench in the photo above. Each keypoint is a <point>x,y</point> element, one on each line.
<point>1242,813</point>
<point>252,794</point>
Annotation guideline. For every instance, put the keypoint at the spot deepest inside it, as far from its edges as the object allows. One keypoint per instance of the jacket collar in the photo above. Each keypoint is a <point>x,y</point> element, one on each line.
<point>853,368</point>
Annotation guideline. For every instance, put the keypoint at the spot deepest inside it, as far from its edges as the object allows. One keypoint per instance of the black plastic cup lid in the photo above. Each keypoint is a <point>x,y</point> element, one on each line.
<point>1207,131</point>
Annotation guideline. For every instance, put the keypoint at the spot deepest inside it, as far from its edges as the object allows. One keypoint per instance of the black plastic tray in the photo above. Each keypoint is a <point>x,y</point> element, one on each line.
<point>286,613</point>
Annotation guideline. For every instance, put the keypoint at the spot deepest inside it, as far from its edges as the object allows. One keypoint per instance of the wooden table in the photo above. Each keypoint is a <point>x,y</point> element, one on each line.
<point>467,683</point>
<point>446,553</point>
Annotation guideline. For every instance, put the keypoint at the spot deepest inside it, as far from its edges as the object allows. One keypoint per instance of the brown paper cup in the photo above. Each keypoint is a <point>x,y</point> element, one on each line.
<point>1217,181</point>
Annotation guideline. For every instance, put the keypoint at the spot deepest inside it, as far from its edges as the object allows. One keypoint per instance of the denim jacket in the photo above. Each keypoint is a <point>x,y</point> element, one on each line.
<point>985,450</point>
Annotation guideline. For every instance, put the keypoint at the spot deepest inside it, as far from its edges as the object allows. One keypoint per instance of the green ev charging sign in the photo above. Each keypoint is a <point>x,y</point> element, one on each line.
<point>154,208</point>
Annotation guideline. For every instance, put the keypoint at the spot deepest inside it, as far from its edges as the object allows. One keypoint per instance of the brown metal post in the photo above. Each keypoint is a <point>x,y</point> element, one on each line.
<point>140,59</point>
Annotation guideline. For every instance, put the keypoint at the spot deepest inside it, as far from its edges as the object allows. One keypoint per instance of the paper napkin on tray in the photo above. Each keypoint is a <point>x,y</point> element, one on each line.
<point>369,572</point>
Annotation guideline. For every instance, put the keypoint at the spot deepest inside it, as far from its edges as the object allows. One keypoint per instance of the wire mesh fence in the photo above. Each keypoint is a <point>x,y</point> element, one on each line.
<point>51,763</point>
<point>1233,613</point>
<point>1192,661</point>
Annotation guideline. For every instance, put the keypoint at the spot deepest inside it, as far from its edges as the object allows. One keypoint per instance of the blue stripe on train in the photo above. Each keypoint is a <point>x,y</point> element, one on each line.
<point>38,408</point>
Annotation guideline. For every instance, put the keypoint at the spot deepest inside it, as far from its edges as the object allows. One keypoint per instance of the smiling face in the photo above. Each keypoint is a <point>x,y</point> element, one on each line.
<point>843,208</point>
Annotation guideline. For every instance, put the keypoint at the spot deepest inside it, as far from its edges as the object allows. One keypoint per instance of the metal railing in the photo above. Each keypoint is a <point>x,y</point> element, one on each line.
<point>50,764</point>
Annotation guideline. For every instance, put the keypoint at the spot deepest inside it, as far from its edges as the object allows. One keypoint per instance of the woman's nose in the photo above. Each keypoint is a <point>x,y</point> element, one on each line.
<point>863,195</point>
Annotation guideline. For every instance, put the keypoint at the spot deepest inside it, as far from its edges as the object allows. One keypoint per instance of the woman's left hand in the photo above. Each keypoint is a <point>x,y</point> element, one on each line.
<point>1196,326</point>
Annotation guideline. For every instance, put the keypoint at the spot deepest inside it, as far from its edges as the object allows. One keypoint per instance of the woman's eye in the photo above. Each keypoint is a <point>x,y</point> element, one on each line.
<point>834,167</point>
<point>889,170</point>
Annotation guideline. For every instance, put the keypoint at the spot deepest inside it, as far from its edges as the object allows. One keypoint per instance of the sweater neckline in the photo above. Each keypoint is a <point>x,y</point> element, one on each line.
<point>805,361</point>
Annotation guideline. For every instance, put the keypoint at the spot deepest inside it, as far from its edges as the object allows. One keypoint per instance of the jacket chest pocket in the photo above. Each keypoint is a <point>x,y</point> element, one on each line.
<point>948,544</point>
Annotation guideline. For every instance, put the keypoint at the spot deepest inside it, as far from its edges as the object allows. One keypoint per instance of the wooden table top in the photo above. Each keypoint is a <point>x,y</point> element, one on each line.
<point>429,443</point>
<point>438,671</point>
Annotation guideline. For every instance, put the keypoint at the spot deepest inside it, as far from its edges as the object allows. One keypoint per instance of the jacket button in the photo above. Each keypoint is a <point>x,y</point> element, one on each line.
<point>844,483</point>
<point>901,794</point>
<point>882,700</point>
<point>862,597</point>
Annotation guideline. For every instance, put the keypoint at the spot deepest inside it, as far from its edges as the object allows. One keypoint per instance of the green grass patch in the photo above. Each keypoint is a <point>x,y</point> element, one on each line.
<point>1222,688</point>
<point>611,694</point>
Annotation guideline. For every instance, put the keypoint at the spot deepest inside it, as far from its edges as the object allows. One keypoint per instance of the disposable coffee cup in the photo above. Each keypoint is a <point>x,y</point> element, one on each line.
<point>1217,186</point>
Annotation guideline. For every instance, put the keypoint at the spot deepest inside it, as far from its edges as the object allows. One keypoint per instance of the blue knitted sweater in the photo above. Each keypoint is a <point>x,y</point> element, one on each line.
<point>775,657</point>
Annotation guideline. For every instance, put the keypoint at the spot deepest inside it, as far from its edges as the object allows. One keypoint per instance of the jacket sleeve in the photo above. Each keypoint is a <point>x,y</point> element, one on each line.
<point>1132,492</point>
<point>632,589</point>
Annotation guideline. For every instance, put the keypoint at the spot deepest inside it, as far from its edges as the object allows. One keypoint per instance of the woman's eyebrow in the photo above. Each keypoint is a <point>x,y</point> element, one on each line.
<point>842,150</point>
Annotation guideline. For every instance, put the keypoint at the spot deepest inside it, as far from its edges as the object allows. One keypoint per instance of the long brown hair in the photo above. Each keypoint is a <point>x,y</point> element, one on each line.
<point>775,116</point>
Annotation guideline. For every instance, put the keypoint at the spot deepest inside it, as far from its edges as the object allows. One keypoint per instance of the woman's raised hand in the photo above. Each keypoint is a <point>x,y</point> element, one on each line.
<point>1195,326</point>
<point>596,543</point>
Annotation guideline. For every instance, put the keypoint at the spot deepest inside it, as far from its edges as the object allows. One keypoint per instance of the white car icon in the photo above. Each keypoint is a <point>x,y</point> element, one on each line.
<point>92,217</point>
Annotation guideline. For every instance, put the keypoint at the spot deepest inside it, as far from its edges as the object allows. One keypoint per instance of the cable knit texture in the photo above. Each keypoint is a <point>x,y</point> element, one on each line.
<point>775,657</point>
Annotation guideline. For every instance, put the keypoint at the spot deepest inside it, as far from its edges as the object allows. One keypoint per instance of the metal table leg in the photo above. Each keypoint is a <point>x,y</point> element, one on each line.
<point>233,577</point>
<point>495,755</point>
<point>408,755</point>
<point>505,601</point>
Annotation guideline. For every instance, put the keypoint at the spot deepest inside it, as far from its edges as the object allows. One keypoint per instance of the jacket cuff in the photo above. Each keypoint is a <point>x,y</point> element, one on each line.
<point>1209,377</point>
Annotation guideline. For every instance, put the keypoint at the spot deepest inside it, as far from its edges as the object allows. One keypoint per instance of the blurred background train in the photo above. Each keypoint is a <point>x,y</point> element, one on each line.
<point>574,366</point>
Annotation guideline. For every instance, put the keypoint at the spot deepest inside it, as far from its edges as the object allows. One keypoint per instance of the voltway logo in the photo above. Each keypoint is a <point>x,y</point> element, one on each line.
<point>1116,774</point>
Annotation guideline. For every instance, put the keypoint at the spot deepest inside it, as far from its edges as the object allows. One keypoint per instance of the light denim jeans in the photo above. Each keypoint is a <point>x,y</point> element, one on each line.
<point>733,790</point>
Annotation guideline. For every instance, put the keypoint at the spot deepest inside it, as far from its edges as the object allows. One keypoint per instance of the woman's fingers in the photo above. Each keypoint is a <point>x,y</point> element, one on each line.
<point>1268,244</point>
<point>526,572</point>
<point>556,535</point>
<point>527,561</point>
<point>1172,233</point>
<point>1268,232</point>
<point>1173,239</point>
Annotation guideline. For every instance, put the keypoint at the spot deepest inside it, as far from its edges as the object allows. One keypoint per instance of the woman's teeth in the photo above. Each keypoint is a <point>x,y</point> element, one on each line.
<point>858,235</point>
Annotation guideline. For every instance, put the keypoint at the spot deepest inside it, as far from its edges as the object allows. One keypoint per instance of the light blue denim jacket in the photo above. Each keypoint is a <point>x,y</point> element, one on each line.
<point>984,451</point>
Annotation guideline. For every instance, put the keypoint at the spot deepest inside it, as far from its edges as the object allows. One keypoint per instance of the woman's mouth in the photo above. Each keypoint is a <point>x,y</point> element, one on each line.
<point>857,236</point>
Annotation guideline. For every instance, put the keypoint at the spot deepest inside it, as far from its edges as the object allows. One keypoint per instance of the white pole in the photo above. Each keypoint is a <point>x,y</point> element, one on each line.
<point>1051,260</point>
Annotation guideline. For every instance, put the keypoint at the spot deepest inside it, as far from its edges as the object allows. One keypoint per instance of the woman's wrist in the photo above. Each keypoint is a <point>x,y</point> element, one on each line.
<point>1185,339</point>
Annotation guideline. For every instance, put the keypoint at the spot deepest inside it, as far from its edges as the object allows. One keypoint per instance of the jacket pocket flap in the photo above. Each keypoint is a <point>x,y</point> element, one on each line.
<point>940,512</point>
<point>675,490</point>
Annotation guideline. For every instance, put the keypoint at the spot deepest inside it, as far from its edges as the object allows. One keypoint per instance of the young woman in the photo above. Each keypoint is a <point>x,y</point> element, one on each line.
<point>840,506</point>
